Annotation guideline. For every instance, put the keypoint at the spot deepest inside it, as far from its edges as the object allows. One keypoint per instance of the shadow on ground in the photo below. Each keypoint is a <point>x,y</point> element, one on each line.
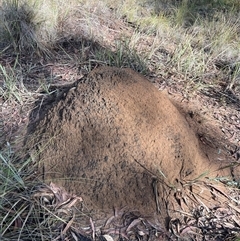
<point>189,11</point>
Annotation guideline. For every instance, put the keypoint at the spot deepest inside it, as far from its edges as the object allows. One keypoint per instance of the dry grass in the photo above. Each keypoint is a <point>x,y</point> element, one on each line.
<point>196,40</point>
<point>31,210</point>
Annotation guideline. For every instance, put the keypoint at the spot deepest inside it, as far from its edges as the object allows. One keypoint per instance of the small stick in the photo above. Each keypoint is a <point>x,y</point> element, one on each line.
<point>155,182</point>
<point>93,229</point>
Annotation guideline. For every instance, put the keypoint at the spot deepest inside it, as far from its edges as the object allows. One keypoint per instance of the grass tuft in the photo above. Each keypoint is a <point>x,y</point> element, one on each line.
<point>13,88</point>
<point>19,27</point>
<point>29,209</point>
<point>123,56</point>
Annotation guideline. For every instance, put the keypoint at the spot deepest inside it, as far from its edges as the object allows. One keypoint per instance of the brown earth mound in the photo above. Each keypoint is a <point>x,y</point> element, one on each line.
<point>117,141</point>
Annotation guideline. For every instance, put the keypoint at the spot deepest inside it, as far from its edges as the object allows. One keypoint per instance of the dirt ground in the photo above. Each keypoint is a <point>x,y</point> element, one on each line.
<point>117,141</point>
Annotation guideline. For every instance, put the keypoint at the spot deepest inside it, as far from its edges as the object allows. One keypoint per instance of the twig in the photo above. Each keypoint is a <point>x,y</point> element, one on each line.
<point>93,228</point>
<point>155,182</point>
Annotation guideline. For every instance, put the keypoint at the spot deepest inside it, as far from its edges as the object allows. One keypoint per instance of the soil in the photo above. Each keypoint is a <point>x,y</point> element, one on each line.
<point>117,141</point>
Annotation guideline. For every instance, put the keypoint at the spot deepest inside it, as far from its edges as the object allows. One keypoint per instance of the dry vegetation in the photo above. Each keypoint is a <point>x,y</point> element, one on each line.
<point>194,45</point>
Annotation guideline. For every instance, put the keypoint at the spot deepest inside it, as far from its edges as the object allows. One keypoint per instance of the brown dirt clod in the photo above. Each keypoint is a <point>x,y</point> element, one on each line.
<point>117,141</point>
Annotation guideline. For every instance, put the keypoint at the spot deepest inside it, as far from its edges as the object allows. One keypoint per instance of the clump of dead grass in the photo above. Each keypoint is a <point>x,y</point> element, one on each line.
<point>30,209</point>
<point>19,27</point>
